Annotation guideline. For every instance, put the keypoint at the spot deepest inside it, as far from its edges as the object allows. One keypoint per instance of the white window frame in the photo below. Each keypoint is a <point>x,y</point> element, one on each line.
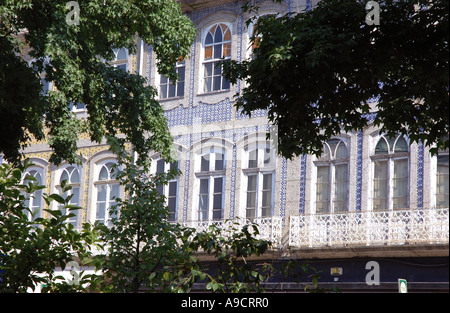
<point>332,163</point>
<point>260,170</point>
<point>166,188</point>
<point>116,63</point>
<point>33,196</point>
<point>213,60</point>
<point>59,173</point>
<point>434,173</point>
<point>390,158</point>
<point>178,66</point>
<point>210,175</point>
<point>108,184</point>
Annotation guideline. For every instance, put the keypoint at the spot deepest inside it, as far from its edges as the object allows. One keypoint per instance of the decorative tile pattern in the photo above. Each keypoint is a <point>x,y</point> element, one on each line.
<point>420,159</point>
<point>283,188</point>
<point>233,179</point>
<point>359,170</point>
<point>187,168</point>
<point>303,160</point>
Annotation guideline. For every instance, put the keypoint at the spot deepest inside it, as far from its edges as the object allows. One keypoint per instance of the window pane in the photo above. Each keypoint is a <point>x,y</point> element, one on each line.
<point>251,185</point>
<point>64,176</point>
<point>380,186</point>
<point>219,162</point>
<point>382,147</point>
<point>172,90</point>
<point>75,178</point>
<point>172,189</point>
<point>180,89</point>
<point>225,84</point>
<point>341,151</point>
<point>217,80</point>
<point>207,87</point>
<point>325,153</point>
<point>75,200</point>
<point>101,193</point>
<point>267,181</point>
<point>100,214</point>
<point>401,145</point>
<point>267,198</point>
<point>160,164</point>
<point>442,181</point>
<point>122,55</point>
<point>204,166</point>
<point>103,173</point>
<point>322,189</point>
<point>217,51</point>
<point>217,69</point>
<point>226,50</point>
<point>208,52</point>
<point>203,186</point>
<point>208,69</point>
<point>172,208</point>
<point>115,192</point>
<point>218,184</point>
<point>341,188</point>
<point>250,213</point>
<point>253,158</point>
<point>209,38</point>
<point>218,34</point>
<point>400,182</point>
<point>163,93</point>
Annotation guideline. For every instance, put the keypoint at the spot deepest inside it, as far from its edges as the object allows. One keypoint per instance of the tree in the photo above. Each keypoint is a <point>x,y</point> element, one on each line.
<point>72,55</point>
<point>31,248</point>
<point>143,249</point>
<point>315,72</point>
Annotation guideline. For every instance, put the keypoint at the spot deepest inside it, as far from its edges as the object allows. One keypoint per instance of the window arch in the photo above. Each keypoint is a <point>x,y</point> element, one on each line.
<point>71,175</point>
<point>216,46</point>
<point>259,179</point>
<point>33,202</point>
<point>391,173</point>
<point>120,58</point>
<point>332,183</point>
<point>107,191</point>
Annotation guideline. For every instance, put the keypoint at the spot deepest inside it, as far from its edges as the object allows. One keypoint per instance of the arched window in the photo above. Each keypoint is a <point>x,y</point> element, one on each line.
<point>217,46</point>
<point>259,172</point>
<point>107,190</point>
<point>120,58</point>
<point>211,184</point>
<point>71,175</point>
<point>332,178</point>
<point>391,173</point>
<point>33,201</point>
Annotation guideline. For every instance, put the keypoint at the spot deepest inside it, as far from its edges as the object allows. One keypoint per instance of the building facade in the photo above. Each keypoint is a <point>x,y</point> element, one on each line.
<point>368,198</point>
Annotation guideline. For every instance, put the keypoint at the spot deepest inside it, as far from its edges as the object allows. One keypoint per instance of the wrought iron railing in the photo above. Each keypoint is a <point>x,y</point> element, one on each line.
<point>269,228</point>
<point>370,228</point>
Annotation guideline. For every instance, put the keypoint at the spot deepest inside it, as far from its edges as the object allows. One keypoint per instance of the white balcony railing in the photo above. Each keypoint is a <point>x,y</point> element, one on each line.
<point>269,228</point>
<point>370,228</point>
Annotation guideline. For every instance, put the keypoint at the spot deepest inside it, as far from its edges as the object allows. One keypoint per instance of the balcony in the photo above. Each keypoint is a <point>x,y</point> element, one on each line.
<point>269,228</point>
<point>370,228</point>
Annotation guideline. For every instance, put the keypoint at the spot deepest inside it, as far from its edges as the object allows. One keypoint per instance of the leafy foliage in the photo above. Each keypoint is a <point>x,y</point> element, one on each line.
<point>316,71</point>
<point>31,249</point>
<point>73,59</point>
